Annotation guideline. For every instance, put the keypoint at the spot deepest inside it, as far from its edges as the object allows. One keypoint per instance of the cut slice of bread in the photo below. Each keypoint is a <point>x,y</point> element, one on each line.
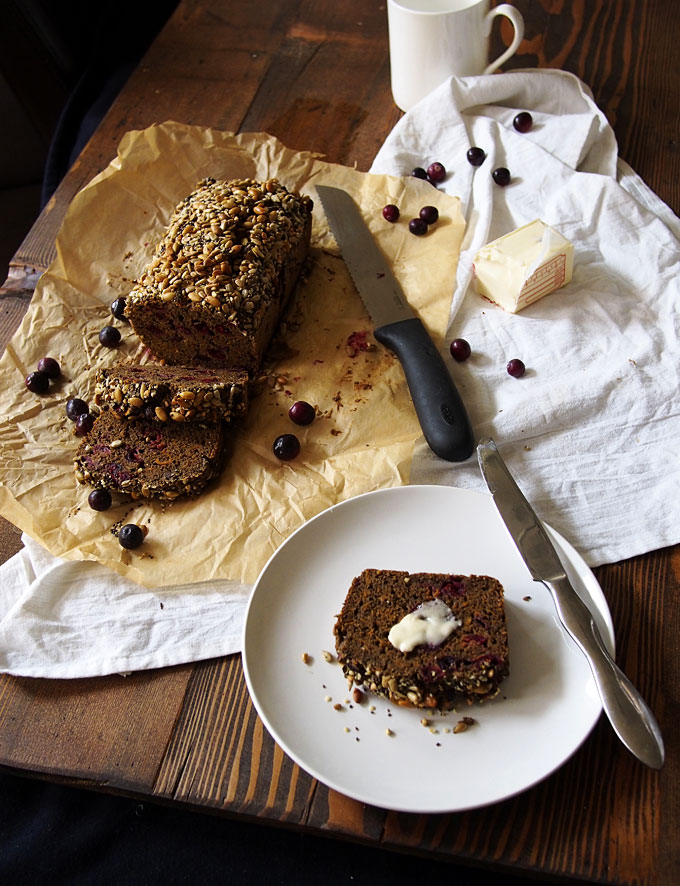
<point>150,459</point>
<point>171,393</point>
<point>471,661</point>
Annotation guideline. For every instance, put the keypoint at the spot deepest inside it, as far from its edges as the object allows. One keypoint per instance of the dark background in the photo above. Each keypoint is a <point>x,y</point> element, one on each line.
<point>62,63</point>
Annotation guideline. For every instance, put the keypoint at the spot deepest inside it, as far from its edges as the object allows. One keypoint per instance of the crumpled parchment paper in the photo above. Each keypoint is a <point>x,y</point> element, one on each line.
<point>364,436</point>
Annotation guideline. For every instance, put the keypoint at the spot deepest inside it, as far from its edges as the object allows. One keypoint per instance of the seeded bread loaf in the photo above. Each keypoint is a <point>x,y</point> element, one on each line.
<point>171,393</point>
<point>149,459</point>
<point>470,662</point>
<point>220,278</point>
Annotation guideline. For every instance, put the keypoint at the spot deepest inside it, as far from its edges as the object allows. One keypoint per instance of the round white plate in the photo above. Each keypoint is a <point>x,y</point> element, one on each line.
<point>547,706</point>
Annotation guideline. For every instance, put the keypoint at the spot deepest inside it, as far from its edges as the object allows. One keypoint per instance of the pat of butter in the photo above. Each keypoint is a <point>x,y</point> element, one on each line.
<point>431,622</point>
<point>523,266</point>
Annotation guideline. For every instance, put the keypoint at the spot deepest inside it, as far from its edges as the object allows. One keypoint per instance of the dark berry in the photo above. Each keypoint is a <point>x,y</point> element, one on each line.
<point>84,424</point>
<point>131,536</point>
<point>99,499</point>
<point>429,214</point>
<point>516,368</point>
<point>501,176</point>
<point>286,447</point>
<point>49,366</point>
<point>417,226</point>
<point>436,172</point>
<point>391,212</point>
<point>109,336</point>
<point>475,156</point>
<point>419,172</point>
<point>76,407</point>
<point>523,122</point>
<point>302,413</point>
<point>118,308</point>
<point>460,349</point>
<point>38,382</point>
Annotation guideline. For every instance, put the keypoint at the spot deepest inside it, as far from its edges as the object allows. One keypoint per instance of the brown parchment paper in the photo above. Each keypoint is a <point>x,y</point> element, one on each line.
<point>364,436</point>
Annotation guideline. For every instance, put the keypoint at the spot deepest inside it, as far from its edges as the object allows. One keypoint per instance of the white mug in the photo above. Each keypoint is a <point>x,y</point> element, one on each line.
<point>430,40</point>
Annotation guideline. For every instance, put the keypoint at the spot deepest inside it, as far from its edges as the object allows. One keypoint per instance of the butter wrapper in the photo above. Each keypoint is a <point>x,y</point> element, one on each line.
<point>520,267</point>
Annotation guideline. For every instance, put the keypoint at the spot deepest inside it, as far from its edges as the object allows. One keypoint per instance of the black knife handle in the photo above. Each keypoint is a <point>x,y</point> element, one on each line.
<point>439,408</point>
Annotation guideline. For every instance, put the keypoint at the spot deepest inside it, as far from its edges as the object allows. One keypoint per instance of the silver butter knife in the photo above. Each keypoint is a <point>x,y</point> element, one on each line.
<point>632,720</point>
<point>438,404</point>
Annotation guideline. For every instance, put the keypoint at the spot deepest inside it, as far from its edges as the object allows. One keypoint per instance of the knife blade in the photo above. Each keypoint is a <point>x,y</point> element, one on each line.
<point>438,404</point>
<point>628,713</point>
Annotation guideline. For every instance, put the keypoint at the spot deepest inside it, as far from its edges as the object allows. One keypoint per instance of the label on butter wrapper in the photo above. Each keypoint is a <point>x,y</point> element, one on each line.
<point>519,268</point>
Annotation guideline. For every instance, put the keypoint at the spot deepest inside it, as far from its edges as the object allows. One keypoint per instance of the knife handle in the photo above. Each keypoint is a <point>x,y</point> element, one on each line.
<point>438,405</point>
<point>627,711</point>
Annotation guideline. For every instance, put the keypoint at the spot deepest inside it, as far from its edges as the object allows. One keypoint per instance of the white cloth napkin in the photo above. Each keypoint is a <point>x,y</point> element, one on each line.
<point>68,619</point>
<point>590,431</point>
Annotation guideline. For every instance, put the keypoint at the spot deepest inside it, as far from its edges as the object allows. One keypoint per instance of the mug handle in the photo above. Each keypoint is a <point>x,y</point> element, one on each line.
<point>515,17</point>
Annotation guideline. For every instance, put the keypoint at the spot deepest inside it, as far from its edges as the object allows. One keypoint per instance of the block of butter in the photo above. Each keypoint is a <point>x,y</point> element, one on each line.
<point>523,266</point>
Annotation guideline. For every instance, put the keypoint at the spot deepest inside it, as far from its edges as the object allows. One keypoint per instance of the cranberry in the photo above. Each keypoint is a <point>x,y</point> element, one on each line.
<point>391,212</point>
<point>118,308</point>
<point>429,214</point>
<point>454,586</point>
<point>286,447</point>
<point>130,536</point>
<point>99,499</point>
<point>436,172</point>
<point>302,413</point>
<point>417,226</point>
<point>460,349</point>
<point>516,368</point>
<point>49,366</point>
<point>419,172</point>
<point>475,156</point>
<point>38,382</point>
<point>84,424</point>
<point>109,336</point>
<point>501,176</point>
<point>76,407</point>
<point>523,122</point>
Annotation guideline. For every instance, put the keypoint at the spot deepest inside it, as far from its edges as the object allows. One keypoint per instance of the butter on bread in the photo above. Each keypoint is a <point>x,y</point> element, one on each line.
<point>520,267</point>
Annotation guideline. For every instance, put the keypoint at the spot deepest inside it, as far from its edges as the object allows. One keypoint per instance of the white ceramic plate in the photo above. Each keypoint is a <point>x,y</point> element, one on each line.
<point>548,704</point>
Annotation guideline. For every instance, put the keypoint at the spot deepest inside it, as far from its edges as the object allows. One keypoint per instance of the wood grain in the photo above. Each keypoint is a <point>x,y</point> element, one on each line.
<point>316,75</point>
<point>626,52</point>
<point>286,76</point>
<point>104,731</point>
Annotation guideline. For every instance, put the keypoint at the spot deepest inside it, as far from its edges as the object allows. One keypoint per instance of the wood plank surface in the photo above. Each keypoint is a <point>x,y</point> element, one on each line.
<point>92,725</point>
<point>316,75</point>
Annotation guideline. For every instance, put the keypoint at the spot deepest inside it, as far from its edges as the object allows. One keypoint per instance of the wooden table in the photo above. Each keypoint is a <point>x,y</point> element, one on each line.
<point>316,75</point>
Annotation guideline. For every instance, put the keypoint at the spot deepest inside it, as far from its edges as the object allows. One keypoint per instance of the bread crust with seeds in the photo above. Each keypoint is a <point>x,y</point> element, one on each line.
<point>171,393</point>
<point>214,292</point>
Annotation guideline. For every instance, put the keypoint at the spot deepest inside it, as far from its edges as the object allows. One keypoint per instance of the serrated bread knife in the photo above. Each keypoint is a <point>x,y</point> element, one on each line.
<point>438,405</point>
<point>632,720</point>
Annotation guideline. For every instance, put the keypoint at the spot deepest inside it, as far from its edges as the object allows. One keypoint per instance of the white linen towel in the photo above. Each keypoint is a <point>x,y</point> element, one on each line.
<point>63,618</point>
<point>591,431</point>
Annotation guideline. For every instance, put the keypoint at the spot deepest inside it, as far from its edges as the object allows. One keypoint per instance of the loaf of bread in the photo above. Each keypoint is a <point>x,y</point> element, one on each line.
<point>220,277</point>
<point>456,627</point>
<point>149,459</point>
<point>172,393</point>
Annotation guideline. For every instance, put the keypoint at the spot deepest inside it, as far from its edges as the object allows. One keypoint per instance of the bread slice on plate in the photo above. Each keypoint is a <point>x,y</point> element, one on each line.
<point>424,639</point>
